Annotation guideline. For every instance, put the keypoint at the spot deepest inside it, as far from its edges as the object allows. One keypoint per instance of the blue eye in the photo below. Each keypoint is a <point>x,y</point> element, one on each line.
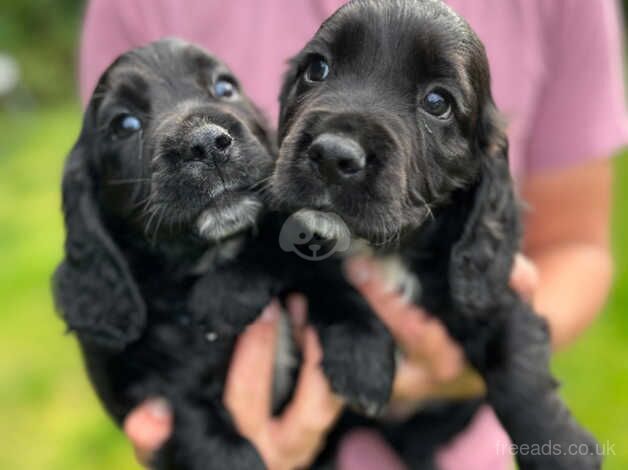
<point>124,125</point>
<point>317,70</point>
<point>224,88</point>
<point>437,104</point>
<point>131,124</point>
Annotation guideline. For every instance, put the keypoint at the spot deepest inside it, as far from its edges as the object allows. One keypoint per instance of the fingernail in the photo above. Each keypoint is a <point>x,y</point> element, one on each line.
<point>357,270</point>
<point>270,313</point>
<point>159,409</point>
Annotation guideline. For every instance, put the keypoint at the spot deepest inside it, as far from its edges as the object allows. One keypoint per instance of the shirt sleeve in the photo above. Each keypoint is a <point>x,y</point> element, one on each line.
<point>580,113</point>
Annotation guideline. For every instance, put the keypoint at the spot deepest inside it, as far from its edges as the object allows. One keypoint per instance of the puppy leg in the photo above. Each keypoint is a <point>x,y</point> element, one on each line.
<point>358,351</point>
<point>204,438</point>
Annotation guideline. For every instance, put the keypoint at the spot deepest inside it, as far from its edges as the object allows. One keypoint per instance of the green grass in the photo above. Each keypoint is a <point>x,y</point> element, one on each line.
<point>49,416</point>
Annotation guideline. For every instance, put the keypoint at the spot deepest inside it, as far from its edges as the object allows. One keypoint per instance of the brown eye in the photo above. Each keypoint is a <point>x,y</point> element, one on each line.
<point>437,104</point>
<point>317,70</point>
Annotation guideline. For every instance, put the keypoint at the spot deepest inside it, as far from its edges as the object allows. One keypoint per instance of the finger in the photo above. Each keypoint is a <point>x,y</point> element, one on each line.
<point>297,310</point>
<point>415,383</point>
<point>468,384</point>
<point>437,350</point>
<point>524,277</point>
<point>314,407</point>
<point>412,382</point>
<point>248,389</point>
<point>148,427</point>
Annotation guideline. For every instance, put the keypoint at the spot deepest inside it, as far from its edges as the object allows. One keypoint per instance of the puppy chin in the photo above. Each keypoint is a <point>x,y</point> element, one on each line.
<point>328,225</point>
<point>217,223</point>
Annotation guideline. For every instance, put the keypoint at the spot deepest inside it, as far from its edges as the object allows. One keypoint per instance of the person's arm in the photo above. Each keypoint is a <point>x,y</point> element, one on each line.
<point>568,239</point>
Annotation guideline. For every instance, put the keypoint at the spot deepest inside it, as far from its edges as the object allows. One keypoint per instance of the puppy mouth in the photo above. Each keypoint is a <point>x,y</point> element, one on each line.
<point>229,214</point>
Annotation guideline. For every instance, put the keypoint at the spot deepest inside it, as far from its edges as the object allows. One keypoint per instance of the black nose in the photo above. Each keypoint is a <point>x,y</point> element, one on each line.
<point>339,158</point>
<point>209,142</point>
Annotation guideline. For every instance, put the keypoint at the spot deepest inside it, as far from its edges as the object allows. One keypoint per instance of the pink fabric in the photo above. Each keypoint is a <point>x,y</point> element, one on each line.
<point>556,69</point>
<point>557,77</point>
<point>484,445</point>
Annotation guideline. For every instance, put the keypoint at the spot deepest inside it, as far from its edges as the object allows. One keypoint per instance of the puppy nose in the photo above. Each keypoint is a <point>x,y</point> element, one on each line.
<point>339,158</point>
<point>209,141</point>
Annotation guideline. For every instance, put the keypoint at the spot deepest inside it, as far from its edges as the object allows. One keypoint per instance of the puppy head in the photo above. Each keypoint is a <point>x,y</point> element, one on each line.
<point>170,149</point>
<point>175,144</point>
<point>384,114</point>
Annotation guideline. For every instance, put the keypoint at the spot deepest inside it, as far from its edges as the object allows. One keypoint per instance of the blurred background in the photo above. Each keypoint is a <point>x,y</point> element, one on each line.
<point>49,416</point>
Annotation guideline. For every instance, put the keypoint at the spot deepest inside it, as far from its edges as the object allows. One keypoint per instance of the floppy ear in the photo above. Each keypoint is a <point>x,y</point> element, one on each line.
<point>93,286</point>
<point>481,260</point>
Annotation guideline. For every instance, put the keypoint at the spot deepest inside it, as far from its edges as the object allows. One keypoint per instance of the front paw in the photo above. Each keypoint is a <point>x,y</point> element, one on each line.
<point>360,365</point>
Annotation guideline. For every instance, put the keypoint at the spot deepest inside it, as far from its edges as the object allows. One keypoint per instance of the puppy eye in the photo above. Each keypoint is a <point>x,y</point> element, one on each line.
<point>124,125</point>
<point>317,70</point>
<point>437,104</point>
<point>225,88</point>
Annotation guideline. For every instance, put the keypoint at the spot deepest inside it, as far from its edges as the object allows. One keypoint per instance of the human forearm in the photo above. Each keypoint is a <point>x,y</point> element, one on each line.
<point>574,282</point>
<point>567,237</point>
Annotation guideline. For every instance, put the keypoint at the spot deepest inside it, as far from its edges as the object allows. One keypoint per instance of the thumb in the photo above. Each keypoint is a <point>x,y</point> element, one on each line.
<point>148,426</point>
<point>524,277</point>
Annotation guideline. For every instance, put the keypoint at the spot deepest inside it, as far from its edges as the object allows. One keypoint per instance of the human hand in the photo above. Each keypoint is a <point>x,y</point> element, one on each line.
<point>434,365</point>
<point>291,440</point>
<point>288,441</point>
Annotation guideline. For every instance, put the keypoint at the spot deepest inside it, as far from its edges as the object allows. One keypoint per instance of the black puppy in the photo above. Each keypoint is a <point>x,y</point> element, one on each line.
<point>162,269</point>
<point>387,120</point>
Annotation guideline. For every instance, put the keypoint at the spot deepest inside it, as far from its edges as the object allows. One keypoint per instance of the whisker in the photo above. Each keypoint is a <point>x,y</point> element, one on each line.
<point>153,211</point>
<point>142,203</point>
<point>159,222</point>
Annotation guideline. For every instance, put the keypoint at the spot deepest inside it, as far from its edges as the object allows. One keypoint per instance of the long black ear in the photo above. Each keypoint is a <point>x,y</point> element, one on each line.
<point>93,286</point>
<point>481,260</point>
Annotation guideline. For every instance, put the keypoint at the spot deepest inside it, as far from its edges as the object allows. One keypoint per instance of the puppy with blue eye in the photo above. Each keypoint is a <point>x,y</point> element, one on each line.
<point>169,253</point>
<point>387,121</point>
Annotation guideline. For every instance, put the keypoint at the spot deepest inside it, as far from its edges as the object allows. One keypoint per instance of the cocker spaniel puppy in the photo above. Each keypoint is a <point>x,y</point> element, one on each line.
<point>387,121</point>
<point>169,253</point>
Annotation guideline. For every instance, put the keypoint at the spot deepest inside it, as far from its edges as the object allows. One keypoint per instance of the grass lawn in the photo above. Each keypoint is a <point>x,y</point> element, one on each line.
<point>49,417</point>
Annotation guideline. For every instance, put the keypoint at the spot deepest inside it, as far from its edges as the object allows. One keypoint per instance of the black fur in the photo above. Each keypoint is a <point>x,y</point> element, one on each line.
<point>431,188</point>
<point>162,267</point>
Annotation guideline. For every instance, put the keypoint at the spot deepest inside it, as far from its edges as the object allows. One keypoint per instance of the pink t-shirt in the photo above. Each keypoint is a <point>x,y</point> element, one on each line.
<point>556,67</point>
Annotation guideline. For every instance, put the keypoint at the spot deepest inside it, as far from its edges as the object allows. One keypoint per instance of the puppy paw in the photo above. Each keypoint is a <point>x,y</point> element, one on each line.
<point>360,366</point>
